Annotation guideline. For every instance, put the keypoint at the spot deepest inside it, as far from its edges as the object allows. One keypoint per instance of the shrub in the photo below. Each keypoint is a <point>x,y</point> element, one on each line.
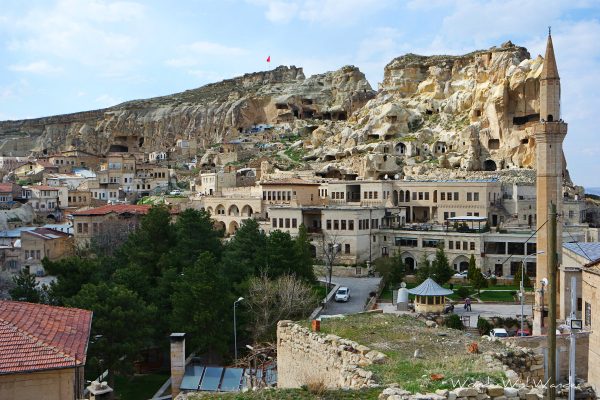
<point>483,326</point>
<point>463,292</point>
<point>454,322</point>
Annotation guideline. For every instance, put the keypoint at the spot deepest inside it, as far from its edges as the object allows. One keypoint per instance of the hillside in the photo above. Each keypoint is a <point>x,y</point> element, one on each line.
<point>433,116</point>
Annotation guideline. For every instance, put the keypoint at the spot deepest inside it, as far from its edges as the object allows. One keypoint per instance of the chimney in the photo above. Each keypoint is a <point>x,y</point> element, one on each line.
<point>177,362</point>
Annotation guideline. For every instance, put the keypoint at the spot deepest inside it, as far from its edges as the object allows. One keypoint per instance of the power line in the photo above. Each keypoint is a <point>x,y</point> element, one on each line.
<point>580,248</point>
<point>525,242</point>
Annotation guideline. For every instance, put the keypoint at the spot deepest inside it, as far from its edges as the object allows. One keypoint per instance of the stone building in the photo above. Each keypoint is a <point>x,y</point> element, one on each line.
<point>591,304</point>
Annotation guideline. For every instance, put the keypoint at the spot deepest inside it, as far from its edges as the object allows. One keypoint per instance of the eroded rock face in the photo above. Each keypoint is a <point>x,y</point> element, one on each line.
<point>208,114</point>
<point>473,112</point>
<point>441,116</point>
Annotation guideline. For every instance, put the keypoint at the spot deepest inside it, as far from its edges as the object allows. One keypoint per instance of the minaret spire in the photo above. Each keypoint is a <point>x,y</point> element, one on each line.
<point>549,85</point>
<point>549,70</point>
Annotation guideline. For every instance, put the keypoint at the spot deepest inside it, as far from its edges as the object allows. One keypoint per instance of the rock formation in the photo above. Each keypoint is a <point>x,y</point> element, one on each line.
<point>441,116</point>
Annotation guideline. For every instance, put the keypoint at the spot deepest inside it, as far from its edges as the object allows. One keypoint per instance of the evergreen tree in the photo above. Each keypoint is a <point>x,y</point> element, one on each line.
<point>424,270</point>
<point>391,269</point>
<point>74,272</point>
<point>194,234</point>
<point>245,254</point>
<point>441,272</point>
<point>25,288</point>
<point>475,276</point>
<point>281,257</point>
<point>526,280</point>
<point>122,325</point>
<point>303,254</point>
<point>472,271</point>
<point>201,304</point>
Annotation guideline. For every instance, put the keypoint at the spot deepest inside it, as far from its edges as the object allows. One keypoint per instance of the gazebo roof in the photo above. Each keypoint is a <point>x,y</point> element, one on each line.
<point>430,288</point>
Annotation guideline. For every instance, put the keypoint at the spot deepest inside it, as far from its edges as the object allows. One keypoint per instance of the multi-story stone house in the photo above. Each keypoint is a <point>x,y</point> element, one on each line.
<point>150,179</point>
<point>66,161</point>
<point>47,200</point>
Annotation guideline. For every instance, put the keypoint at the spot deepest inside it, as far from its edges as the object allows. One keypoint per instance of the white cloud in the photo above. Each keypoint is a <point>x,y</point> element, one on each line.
<point>41,67</point>
<point>202,52</point>
<point>320,11</point>
<point>94,33</point>
<point>107,100</point>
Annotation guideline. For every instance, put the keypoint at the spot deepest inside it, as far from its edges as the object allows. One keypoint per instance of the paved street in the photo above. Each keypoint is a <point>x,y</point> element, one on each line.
<point>359,292</point>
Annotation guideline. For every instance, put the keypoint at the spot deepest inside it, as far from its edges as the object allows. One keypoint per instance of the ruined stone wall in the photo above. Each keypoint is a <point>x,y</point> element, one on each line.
<point>538,344</point>
<point>305,357</point>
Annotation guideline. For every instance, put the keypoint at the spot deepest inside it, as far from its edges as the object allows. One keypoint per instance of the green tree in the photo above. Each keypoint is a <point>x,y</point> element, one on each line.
<point>304,259</point>
<point>194,233</point>
<point>122,324</point>
<point>475,276</point>
<point>471,272</point>
<point>424,269</point>
<point>441,272</point>
<point>201,306</point>
<point>391,269</point>
<point>526,280</point>
<point>25,288</point>
<point>281,257</point>
<point>72,273</point>
<point>245,254</point>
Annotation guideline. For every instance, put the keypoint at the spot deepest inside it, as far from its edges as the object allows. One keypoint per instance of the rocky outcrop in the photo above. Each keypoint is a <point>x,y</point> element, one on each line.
<point>208,114</point>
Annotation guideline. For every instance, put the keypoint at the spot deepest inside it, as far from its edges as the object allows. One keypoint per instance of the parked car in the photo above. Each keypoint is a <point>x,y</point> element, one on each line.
<point>498,333</point>
<point>342,294</point>
<point>523,332</point>
<point>175,192</point>
<point>460,274</point>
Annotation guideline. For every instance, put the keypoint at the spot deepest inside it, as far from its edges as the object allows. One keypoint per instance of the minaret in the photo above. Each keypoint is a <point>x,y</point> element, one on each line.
<point>549,135</point>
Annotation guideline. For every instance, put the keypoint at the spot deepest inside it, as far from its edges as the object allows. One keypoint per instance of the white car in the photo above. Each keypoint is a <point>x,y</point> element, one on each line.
<point>342,294</point>
<point>498,333</point>
<point>460,274</point>
<point>175,192</point>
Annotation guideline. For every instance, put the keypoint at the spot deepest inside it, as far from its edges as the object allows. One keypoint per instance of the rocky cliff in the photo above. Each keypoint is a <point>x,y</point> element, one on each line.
<point>440,116</point>
<point>207,115</point>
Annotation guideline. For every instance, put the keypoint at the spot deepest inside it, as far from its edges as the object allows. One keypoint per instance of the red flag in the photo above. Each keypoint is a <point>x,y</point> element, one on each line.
<point>269,59</point>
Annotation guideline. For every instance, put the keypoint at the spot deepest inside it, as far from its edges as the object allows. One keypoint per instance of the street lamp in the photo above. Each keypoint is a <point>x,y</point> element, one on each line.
<point>335,248</point>
<point>235,328</point>
<point>522,288</point>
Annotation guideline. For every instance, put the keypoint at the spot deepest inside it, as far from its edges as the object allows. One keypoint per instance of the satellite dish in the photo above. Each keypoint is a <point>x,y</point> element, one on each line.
<point>403,285</point>
<point>544,281</point>
<point>396,177</point>
<point>386,177</point>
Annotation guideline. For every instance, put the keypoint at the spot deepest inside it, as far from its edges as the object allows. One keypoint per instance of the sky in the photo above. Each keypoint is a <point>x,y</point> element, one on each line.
<point>62,56</point>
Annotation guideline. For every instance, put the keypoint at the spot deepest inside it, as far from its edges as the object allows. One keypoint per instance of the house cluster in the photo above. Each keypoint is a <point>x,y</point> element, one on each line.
<point>45,201</point>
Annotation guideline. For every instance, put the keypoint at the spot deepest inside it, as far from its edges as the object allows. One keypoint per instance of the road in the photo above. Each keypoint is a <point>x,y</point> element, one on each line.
<point>359,293</point>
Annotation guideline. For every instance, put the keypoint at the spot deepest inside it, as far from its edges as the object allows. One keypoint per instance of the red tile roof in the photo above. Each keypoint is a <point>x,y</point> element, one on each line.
<point>6,187</point>
<point>37,337</point>
<point>43,187</point>
<point>115,208</point>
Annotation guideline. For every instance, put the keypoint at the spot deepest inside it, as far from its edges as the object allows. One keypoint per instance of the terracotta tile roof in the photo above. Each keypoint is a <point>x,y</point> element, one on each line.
<point>44,187</point>
<point>290,181</point>
<point>115,208</point>
<point>37,337</point>
<point>6,187</point>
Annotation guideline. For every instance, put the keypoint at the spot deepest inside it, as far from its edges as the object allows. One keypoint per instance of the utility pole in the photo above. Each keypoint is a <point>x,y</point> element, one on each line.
<point>572,344</point>
<point>551,332</point>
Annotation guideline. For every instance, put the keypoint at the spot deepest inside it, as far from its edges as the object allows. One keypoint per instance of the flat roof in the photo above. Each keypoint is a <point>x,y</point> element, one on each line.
<point>467,218</point>
<point>590,250</point>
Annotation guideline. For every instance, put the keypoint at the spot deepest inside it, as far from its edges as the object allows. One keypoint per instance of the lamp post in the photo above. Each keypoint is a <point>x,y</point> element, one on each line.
<point>235,328</point>
<point>332,253</point>
<point>522,288</point>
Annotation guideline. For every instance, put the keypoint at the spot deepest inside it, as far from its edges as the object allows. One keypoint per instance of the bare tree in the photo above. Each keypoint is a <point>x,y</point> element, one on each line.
<point>269,301</point>
<point>331,246</point>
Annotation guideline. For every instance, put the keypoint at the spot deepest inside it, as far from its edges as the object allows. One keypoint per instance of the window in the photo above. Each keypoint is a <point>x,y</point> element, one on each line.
<point>449,195</point>
<point>426,195</point>
<point>336,224</point>
<point>476,196</point>
<point>347,248</point>
<point>457,245</point>
<point>281,222</point>
<point>456,196</point>
<point>360,224</point>
<point>472,246</point>
<point>351,225</point>
<point>406,242</point>
<point>374,238</point>
<point>328,224</point>
<point>445,215</point>
<point>443,196</point>
<point>451,245</point>
<point>343,222</point>
<point>495,247</point>
<point>516,248</point>
<point>420,195</point>
<point>469,196</point>
<point>588,314</point>
<point>384,251</point>
<point>38,254</point>
<point>431,243</point>
<point>294,223</point>
<point>79,227</point>
<point>414,195</point>
<point>287,222</point>
<point>365,196</point>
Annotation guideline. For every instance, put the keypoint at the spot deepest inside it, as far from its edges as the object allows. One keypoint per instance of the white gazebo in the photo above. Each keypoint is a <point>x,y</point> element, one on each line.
<point>430,297</point>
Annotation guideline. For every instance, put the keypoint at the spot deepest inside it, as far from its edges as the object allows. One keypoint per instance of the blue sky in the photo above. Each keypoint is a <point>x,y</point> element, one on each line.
<point>60,56</point>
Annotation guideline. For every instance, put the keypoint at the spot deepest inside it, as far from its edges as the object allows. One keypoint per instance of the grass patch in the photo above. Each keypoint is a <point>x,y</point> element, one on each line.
<point>293,394</point>
<point>139,387</point>
<point>399,336</point>
<point>497,296</point>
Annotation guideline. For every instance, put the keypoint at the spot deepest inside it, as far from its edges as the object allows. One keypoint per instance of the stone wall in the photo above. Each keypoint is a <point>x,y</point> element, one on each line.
<point>305,357</point>
<point>539,344</point>
<point>340,270</point>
